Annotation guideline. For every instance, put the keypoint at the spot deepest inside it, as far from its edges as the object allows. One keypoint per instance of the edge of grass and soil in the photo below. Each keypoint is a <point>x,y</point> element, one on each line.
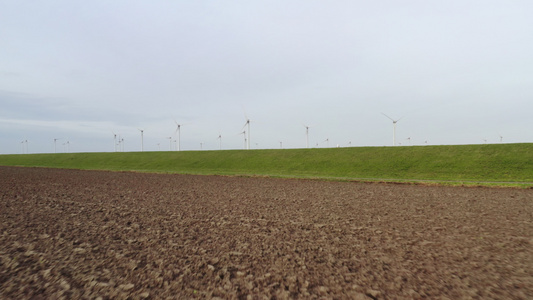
<point>508,165</point>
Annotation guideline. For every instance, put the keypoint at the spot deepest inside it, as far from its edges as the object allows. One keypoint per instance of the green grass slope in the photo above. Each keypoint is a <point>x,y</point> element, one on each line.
<point>478,163</point>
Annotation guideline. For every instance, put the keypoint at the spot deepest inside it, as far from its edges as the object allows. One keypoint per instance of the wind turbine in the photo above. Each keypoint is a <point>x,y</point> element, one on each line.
<point>245,144</point>
<point>55,148</point>
<point>169,143</point>
<point>247,124</point>
<point>393,128</point>
<point>142,139</point>
<point>219,141</point>
<point>66,147</point>
<point>307,135</point>
<point>114,140</point>
<point>178,131</point>
<point>120,144</point>
<point>501,138</point>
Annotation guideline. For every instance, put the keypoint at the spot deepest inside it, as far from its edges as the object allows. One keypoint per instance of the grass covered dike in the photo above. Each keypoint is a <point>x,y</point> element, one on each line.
<point>498,164</point>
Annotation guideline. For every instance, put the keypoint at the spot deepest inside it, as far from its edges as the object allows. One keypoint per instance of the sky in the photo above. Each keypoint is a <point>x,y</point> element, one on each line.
<point>85,76</point>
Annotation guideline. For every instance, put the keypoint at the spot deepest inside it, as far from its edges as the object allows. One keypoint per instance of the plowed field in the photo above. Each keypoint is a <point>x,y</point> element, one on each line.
<point>90,234</point>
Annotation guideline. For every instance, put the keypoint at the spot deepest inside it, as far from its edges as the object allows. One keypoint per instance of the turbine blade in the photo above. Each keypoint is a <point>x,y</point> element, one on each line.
<point>388,117</point>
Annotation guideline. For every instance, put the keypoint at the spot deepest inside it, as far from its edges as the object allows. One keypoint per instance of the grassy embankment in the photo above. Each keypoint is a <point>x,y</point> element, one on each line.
<point>507,164</point>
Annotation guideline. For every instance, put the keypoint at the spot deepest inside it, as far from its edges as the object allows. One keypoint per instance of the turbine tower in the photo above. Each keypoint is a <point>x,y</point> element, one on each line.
<point>246,145</point>
<point>393,128</point>
<point>178,131</point>
<point>55,147</point>
<point>247,124</point>
<point>307,135</point>
<point>219,141</point>
<point>114,140</point>
<point>142,139</point>
<point>66,145</point>
<point>24,145</point>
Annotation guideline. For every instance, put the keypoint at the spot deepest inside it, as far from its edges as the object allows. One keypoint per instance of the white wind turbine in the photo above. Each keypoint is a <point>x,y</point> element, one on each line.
<point>219,138</point>
<point>142,139</point>
<point>178,131</point>
<point>55,147</point>
<point>246,145</point>
<point>307,135</point>
<point>393,128</point>
<point>247,124</point>
<point>114,140</point>
<point>169,143</point>
<point>66,146</point>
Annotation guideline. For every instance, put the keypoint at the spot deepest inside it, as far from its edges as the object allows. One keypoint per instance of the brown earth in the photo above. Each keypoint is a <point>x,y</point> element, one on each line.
<point>108,235</point>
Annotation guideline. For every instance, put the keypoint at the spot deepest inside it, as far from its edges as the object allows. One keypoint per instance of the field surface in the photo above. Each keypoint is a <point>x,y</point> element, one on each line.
<point>89,234</point>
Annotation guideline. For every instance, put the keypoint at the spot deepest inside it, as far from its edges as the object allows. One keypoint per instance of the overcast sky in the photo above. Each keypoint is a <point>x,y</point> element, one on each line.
<point>455,72</point>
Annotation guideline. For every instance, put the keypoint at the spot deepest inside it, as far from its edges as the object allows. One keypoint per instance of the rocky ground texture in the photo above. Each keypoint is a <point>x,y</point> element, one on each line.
<point>111,235</point>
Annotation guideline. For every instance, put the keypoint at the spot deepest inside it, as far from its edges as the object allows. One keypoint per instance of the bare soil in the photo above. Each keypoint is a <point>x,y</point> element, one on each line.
<point>110,235</point>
